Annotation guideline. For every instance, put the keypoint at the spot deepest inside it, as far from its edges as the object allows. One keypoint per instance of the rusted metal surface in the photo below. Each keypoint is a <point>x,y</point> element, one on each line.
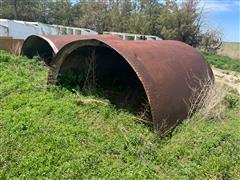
<point>47,46</point>
<point>168,70</point>
<point>11,45</point>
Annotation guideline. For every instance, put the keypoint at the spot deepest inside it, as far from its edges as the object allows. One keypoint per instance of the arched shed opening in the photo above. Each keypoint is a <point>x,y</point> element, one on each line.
<point>102,69</point>
<point>37,46</point>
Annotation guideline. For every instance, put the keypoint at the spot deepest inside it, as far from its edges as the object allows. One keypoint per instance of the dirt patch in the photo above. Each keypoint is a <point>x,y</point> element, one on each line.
<point>230,78</point>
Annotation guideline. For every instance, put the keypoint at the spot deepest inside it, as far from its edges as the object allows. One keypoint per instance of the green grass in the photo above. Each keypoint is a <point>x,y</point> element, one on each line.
<point>223,62</point>
<point>49,132</point>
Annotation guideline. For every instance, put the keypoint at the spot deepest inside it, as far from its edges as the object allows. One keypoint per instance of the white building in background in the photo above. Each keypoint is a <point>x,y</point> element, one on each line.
<point>128,36</point>
<point>22,29</point>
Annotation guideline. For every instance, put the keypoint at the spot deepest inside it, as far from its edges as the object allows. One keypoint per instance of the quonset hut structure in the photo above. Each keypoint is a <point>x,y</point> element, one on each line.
<point>164,74</point>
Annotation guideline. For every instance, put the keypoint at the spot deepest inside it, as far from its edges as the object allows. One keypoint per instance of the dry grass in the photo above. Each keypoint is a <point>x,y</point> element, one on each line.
<point>209,103</point>
<point>208,100</point>
<point>229,78</point>
<point>213,105</point>
<point>230,49</point>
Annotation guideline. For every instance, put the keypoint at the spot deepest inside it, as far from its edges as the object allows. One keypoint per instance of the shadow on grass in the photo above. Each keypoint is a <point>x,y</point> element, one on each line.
<point>129,98</point>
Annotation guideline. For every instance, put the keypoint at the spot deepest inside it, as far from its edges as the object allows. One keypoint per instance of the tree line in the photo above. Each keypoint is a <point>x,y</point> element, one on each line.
<point>167,19</point>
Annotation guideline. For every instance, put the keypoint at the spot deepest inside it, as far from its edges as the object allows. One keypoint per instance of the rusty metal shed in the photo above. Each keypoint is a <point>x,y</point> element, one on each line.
<point>165,72</point>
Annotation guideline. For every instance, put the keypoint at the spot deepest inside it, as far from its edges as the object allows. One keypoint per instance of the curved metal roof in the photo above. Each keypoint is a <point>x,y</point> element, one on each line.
<point>168,71</point>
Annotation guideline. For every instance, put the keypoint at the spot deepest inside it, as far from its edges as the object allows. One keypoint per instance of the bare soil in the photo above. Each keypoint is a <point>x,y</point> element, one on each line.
<point>230,78</point>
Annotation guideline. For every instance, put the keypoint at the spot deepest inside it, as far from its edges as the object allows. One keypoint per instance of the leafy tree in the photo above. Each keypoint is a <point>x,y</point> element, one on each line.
<point>23,10</point>
<point>93,14</point>
<point>181,22</point>
<point>8,9</point>
<point>59,12</point>
<point>114,16</point>
<point>150,10</point>
<point>211,41</point>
